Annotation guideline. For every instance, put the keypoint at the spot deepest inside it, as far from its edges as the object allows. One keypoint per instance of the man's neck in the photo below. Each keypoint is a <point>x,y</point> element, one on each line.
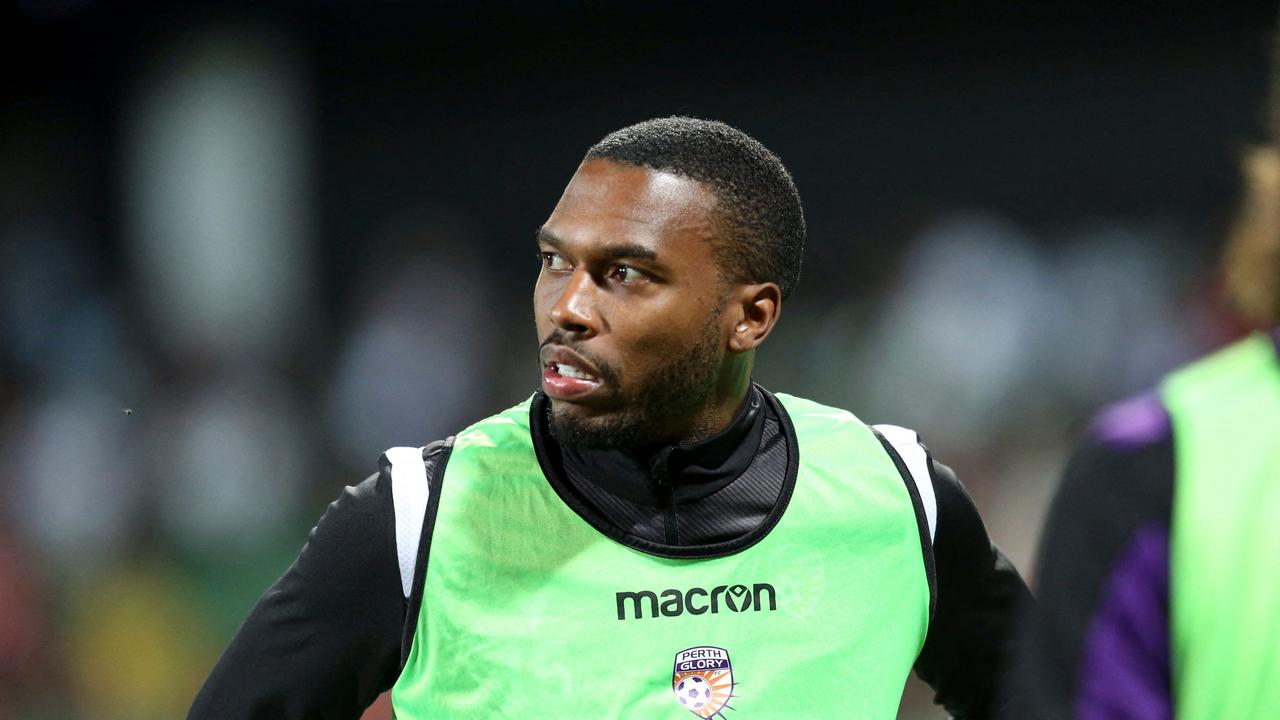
<point>732,392</point>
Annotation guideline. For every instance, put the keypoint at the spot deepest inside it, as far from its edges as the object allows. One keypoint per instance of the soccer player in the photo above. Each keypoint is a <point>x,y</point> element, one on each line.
<point>651,533</point>
<point>1159,582</point>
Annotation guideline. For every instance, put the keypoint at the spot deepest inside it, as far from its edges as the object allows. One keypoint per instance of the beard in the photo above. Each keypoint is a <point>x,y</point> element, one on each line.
<point>659,410</point>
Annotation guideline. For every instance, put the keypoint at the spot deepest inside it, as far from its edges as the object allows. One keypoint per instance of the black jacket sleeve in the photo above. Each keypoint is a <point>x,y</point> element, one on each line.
<point>325,639</point>
<point>971,633</point>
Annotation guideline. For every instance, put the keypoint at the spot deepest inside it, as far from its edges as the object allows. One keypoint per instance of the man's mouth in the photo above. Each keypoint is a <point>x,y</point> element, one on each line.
<point>566,376</point>
<point>569,371</point>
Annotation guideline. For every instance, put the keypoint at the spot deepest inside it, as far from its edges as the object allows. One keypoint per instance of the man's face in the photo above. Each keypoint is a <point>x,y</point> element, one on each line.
<point>628,307</point>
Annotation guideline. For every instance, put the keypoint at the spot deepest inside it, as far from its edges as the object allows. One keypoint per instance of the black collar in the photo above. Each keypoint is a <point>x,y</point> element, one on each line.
<point>551,458</point>
<point>693,470</point>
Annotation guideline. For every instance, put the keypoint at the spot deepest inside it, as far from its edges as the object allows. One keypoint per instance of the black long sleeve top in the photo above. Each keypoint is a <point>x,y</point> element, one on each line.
<point>333,631</point>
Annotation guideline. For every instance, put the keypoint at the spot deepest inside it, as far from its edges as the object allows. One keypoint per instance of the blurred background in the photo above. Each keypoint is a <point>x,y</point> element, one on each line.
<point>246,247</point>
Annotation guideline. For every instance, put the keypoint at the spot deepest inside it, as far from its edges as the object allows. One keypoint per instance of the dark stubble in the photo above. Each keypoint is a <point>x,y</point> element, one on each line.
<point>671,396</point>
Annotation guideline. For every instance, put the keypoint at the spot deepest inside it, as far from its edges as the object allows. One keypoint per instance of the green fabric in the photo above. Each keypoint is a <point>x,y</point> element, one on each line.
<point>1225,544</point>
<point>520,617</point>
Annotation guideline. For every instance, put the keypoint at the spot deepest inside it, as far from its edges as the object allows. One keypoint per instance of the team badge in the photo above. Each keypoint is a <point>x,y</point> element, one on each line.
<point>703,680</point>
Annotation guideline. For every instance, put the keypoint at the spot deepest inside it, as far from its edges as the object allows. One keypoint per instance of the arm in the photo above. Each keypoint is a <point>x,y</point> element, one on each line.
<point>975,590</point>
<point>1096,646</point>
<point>325,639</point>
<point>971,634</point>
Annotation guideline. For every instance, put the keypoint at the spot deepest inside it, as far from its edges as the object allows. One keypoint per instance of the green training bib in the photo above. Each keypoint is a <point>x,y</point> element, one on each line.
<point>1225,534</point>
<point>529,612</point>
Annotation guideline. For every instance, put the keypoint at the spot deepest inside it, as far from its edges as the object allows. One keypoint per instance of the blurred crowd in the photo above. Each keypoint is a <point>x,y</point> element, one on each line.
<point>178,405</point>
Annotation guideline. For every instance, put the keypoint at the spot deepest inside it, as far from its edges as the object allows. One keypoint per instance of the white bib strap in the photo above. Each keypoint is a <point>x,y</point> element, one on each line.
<point>409,493</point>
<point>907,444</point>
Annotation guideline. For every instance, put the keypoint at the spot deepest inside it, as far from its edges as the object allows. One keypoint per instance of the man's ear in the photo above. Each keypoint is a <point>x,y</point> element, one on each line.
<point>755,309</point>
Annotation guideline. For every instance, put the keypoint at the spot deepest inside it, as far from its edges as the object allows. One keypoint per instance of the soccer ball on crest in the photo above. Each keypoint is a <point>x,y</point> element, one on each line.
<point>693,692</point>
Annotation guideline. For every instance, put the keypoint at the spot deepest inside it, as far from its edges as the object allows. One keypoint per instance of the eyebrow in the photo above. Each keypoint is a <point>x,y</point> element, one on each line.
<point>617,251</point>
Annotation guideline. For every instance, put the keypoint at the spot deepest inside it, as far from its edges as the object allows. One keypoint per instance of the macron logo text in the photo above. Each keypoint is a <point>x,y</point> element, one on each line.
<point>696,601</point>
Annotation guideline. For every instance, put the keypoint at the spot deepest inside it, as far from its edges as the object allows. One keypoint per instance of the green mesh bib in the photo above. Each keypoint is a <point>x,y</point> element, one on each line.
<point>529,612</point>
<point>1225,534</point>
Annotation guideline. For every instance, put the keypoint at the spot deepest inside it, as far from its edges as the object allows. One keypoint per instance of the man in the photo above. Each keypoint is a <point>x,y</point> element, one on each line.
<point>1158,573</point>
<point>651,533</point>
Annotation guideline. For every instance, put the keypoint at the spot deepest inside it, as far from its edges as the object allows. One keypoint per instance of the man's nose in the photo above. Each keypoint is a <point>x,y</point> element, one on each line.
<point>574,311</point>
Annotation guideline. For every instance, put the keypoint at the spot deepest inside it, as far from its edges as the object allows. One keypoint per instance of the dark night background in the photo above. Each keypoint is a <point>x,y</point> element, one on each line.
<point>246,247</point>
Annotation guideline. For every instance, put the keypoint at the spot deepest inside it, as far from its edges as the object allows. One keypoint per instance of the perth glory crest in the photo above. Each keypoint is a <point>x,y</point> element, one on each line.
<point>703,680</point>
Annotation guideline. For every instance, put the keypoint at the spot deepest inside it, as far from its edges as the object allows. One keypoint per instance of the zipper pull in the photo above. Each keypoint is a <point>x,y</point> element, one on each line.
<point>658,467</point>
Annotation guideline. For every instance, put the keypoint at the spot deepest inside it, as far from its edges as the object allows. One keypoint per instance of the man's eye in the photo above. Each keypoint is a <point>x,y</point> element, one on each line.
<point>553,261</point>
<point>627,274</point>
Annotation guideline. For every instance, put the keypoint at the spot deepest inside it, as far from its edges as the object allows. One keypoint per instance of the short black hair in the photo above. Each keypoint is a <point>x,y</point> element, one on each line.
<point>758,202</point>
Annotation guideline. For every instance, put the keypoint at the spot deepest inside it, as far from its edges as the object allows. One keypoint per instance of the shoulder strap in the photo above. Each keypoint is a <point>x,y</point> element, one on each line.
<point>409,493</point>
<point>906,443</point>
